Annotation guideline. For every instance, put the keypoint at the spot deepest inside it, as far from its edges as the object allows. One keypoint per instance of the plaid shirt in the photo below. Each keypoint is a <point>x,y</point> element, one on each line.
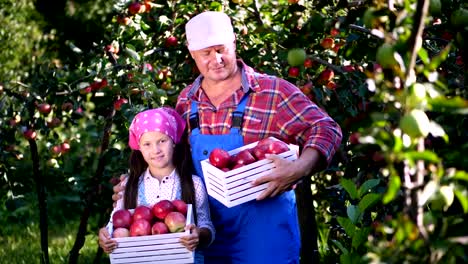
<point>275,108</point>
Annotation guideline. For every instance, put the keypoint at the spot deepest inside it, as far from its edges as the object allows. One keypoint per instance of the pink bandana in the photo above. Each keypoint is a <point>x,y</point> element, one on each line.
<point>165,120</point>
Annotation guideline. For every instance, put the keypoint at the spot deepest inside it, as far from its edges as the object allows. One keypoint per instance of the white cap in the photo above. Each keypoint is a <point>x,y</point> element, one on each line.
<point>209,29</point>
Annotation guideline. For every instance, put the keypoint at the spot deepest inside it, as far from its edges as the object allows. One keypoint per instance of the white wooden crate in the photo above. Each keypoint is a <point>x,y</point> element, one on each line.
<point>234,187</point>
<point>164,248</point>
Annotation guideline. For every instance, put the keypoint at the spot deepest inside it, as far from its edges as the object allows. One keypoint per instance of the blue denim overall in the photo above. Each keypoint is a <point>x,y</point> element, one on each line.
<point>255,232</point>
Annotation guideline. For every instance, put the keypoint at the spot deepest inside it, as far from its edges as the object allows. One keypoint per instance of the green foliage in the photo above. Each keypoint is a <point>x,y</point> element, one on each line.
<point>20,36</point>
<point>395,192</point>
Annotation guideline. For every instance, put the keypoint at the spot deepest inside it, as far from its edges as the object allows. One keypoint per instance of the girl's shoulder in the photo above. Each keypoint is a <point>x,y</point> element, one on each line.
<point>197,180</point>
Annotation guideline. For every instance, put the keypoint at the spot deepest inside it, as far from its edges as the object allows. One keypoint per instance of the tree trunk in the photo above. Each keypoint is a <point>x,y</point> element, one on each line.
<point>307,222</point>
<point>92,193</point>
<point>42,201</point>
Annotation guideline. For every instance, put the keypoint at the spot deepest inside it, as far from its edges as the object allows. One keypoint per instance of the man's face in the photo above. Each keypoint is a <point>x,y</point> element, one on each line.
<point>216,63</point>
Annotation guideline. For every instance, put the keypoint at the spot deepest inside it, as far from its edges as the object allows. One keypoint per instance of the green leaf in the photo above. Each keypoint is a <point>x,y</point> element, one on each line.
<point>437,60</point>
<point>350,258</point>
<point>340,246</point>
<point>462,196</point>
<point>367,186</point>
<point>393,188</point>
<point>455,104</point>
<point>350,188</point>
<point>353,213</point>
<point>422,53</point>
<point>368,200</point>
<point>461,175</point>
<point>422,155</point>
<point>429,190</point>
<point>359,237</point>
<point>133,54</point>
<point>347,225</point>
<point>447,193</point>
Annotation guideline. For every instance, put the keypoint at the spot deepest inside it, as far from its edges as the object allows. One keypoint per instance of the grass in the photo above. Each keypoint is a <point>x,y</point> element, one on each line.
<point>21,244</point>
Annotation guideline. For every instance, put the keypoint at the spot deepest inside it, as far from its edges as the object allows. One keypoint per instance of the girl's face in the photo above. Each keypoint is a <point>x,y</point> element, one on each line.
<point>216,63</point>
<point>157,149</point>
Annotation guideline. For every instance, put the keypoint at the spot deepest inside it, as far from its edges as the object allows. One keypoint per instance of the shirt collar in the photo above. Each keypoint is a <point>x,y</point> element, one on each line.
<point>248,79</point>
<point>147,175</point>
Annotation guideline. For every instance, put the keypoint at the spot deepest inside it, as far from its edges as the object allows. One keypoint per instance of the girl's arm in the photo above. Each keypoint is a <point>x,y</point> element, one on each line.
<point>206,228</point>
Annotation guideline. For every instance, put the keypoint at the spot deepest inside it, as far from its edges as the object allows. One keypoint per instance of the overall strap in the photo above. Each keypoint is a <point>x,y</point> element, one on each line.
<point>237,115</point>
<point>194,119</point>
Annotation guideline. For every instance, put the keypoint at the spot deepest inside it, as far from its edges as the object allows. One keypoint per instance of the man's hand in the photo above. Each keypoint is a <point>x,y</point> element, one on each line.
<point>288,173</point>
<point>280,180</point>
<point>105,242</point>
<point>118,188</point>
<point>192,240</point>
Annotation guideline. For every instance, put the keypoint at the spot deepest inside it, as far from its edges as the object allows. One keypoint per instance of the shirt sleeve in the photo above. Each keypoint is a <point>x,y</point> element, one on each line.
<point>302,121</point>
<point>203,209</point>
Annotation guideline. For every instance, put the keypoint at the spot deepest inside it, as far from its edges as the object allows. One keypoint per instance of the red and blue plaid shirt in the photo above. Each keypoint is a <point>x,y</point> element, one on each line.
<point>275,108</point>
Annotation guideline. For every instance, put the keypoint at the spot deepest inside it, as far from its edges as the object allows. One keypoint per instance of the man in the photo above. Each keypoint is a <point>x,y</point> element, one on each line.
<point>230,105</point>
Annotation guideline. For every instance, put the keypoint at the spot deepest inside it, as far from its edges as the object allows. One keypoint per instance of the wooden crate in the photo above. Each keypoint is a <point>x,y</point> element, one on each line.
<point>164,248</point>
<point>234,187</point>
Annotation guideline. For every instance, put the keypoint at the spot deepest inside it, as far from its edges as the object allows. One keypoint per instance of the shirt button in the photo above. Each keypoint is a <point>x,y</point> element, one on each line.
<point>205,152</point>
<point>157,196</point>
<point>164,181</point>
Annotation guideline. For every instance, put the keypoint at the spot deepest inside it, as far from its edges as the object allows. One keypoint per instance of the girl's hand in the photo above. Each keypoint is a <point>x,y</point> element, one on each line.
<point>105,242</point>
<point>191,241</point>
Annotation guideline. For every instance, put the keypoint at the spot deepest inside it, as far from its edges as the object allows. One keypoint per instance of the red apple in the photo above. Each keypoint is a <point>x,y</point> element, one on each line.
<point>327,43</point>
<point>354,138</point>
<point>159,228</point>
<point>219,158</point>
<point>140,227</point>
<point>331,85</point>
<point>55,122</point>
<point>308,63</point>
<point>65,147</point>
<point>142,212</point>
<point>265,141</point>
<point>123,20</point>
<point>121,232</point>
<point>325,76</point>
<point>175,221</point>
<point>181,206</point>
<point>119,102</point>
<point>237,166</point>
<point>135,8</point>
<point>44,108</point>
<point>122,218</point>
<point>334,32</point>
<point>259,151</point>
<point>56,149</point>
<point>171,41</point>
<point>278,147</point>
<point>293,72</point>
<point>162,208</point>
<point>244,157</point>
<point>30,134</point>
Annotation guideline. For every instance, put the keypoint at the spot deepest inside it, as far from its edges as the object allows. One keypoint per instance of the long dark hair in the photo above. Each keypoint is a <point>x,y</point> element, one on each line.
<point>183,165</point>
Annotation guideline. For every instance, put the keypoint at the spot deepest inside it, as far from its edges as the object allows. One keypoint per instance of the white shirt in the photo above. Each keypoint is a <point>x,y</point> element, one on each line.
<point>151,191</point>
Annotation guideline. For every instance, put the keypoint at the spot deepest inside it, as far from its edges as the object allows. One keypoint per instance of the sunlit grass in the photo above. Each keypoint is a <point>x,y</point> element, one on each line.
<point>21,244</point>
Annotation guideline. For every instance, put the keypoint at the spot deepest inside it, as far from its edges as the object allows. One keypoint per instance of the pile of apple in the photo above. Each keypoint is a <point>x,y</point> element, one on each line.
<point>221,159</point>
<point>163,217</point>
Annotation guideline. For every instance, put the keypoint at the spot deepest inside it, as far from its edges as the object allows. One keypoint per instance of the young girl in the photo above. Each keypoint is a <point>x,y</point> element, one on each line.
<point>160,169</point>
